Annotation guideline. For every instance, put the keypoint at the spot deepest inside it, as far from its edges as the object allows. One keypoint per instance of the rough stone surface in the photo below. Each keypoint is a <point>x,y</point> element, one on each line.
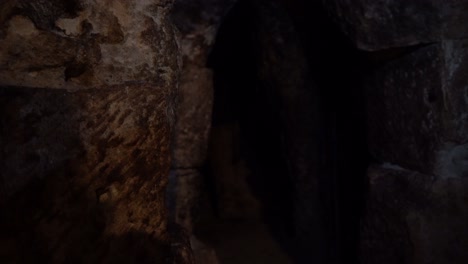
<point>382,24</point>
<point>182,251</point>
<point>95,43</point>
<point>193,117</point>
<point>417,110</point>
<point>417,101</point>
<point>87,98</point>
<point>83,166</point>
<point>197,22</point>
<point>183,193</point>
<point>414,218</point>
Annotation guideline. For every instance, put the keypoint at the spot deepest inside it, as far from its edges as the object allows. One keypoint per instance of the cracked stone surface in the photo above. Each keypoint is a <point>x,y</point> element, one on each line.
<point>87,112</point>
<point>417,110</point>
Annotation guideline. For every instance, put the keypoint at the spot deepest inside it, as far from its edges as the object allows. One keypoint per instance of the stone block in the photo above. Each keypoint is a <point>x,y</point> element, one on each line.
<point>417,110</point>
<point>382,24</point>
<point>413,218</point>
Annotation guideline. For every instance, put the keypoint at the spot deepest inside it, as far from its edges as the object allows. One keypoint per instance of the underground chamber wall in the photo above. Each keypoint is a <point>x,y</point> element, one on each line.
<point>85,105</point>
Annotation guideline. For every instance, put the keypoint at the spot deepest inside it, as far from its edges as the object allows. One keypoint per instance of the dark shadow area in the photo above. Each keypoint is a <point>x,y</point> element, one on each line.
<point>339,70</point>
<point>255,110</point>
<point>241,98</point>
<point>245,121</point>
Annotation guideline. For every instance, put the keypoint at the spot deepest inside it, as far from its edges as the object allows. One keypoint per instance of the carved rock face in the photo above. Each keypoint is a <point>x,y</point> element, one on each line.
<point>87,97</point>
<point>417,110</point>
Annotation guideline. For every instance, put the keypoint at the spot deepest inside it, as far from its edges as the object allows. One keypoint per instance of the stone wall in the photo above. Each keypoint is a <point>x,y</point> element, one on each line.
<point>101,100</point>
<point>417,119</point>
<point>197,23</point>
<point>87,109</point>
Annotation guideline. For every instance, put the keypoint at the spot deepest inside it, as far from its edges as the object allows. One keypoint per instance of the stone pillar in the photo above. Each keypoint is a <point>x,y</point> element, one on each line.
<point>197,22</point>
<point>87,91</point>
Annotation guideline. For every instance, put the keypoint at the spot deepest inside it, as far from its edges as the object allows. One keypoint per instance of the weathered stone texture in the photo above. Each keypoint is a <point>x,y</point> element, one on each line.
<point>382,24</point>
<point>84,166</point>
<point>197,22</point>
<point>417,110</point>
<point>182,251</point>
<point>414,218</point>
<point>87,98</point>
<point>97,43</point>
<point>193,117</point>
<point>184,190</point>
<point>190,142</point>
<point>417,123</point>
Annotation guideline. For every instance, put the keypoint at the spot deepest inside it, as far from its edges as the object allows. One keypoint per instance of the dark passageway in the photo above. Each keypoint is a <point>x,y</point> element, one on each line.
<point>293,124</point>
